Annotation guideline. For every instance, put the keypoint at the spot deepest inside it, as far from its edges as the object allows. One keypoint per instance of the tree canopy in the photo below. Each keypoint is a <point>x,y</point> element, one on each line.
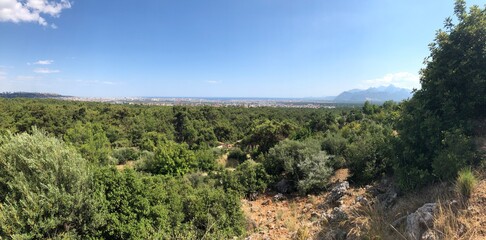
<point>452,98</point>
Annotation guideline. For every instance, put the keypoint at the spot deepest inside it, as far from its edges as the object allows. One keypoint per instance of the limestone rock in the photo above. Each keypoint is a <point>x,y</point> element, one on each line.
<point>430,235</point>
<point>362,200</point>
<point>338,192</point>
<point>420,221</point>
<point>336,215</point>
<point>278,197</point>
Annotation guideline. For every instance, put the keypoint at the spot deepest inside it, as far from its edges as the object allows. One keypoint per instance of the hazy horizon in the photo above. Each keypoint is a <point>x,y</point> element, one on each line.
<point>250,49</point>
<point>215,97</point>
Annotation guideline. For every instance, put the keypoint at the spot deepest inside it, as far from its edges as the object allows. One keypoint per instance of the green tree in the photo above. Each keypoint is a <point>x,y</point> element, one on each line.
<point>169,158</point>
<point>252,178</point>
<point>264,135</point>
<point>452,97</point>
<point>91,141</point>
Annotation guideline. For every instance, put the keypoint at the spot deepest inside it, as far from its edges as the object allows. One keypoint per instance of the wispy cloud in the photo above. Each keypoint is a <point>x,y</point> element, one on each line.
<point>45,70</point>
<point>213,82</point>
<point>31,10</point>
<point>26,78</point>
<point>399,79</point>
<point>43,62</point>
<point>109,83</point>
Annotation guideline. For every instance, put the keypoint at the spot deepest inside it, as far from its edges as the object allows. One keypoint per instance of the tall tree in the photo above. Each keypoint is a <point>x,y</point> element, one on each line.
<point>453,95</point>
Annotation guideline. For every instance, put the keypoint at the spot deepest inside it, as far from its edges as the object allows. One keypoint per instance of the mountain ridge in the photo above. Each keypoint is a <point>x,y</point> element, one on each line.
<point>374,94</point>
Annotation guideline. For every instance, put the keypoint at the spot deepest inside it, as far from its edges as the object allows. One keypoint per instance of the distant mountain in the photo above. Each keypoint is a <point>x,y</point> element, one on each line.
<point>28,95</point>
<point>378,94</point>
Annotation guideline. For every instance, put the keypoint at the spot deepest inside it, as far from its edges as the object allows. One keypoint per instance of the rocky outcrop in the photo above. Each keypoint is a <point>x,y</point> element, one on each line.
<point>362,200</point>
<point>338,192</point>
<point>385,192</point>
<point>430,235</point>
<point>279,197</point>
<point>388,198</point>
<point>420,221</point>
<point>337,215</point>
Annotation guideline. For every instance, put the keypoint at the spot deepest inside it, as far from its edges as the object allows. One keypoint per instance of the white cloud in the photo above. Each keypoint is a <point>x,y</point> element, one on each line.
<point>45,70</point>
<point>213,82</point>
<point>31,10</point>
<point>26,78</point>
<point>400,79</point>
<point>44,62</point>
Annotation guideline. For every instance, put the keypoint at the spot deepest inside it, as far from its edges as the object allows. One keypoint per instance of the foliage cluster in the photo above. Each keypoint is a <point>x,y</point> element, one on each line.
<point>49,191</point>
<point>46,189</point>
<point>436,124</point>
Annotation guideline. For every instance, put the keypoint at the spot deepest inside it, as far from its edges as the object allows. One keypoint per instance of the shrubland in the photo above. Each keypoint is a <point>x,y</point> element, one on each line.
<point>57,158</point>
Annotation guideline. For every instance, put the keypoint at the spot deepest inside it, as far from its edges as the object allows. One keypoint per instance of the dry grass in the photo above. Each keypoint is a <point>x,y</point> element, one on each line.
<point>373,221</point>
<point>228,163</point>
<point>447,224</point>
<point>370,222</point>
<point>339,175</point>
<point>127,164</point>
<point>292,222</point>
<point>464,219</point>
<point>303,233</point>
<point>286,219</point>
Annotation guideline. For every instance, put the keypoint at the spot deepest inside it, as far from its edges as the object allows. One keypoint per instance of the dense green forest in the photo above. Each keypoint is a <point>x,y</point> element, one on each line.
<point>176,189</point>
<point>57,158</point>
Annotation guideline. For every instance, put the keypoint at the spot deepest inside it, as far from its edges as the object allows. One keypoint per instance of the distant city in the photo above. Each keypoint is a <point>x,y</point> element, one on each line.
<point>215,102</point>
<point>346,99</point>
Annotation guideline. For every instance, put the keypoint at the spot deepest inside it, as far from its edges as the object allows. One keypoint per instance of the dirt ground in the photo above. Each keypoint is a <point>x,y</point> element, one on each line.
<point>295,216</point>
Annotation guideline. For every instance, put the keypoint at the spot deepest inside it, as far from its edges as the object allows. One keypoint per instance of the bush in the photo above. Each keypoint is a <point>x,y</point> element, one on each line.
<point>334,144</point>
<point>91,142</point>
<point>265,134</point>
<point>46,189</point>
<point>237,154</point>
<point>337,162</point>
<point>141,206</point>
<point>206,159</point>
<point>455,154</point>
<point>122,155</point>
<point>369,155</point>
<point>303,164</point>
<point>169,158</point>
<point>410,177</point>
<point>251,177</point>
<point>465,183</point>
<point>131,204</point>
<point>315,173</point>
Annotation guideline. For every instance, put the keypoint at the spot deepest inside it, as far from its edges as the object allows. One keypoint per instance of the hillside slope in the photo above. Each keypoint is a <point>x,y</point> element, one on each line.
<point>379,94</point>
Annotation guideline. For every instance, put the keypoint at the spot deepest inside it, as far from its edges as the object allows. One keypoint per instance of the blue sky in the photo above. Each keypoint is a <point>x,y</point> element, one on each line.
<point>214,48</point>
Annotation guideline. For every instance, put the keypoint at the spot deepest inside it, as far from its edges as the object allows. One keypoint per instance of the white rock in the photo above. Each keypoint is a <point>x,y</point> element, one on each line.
<point>420,221</point>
